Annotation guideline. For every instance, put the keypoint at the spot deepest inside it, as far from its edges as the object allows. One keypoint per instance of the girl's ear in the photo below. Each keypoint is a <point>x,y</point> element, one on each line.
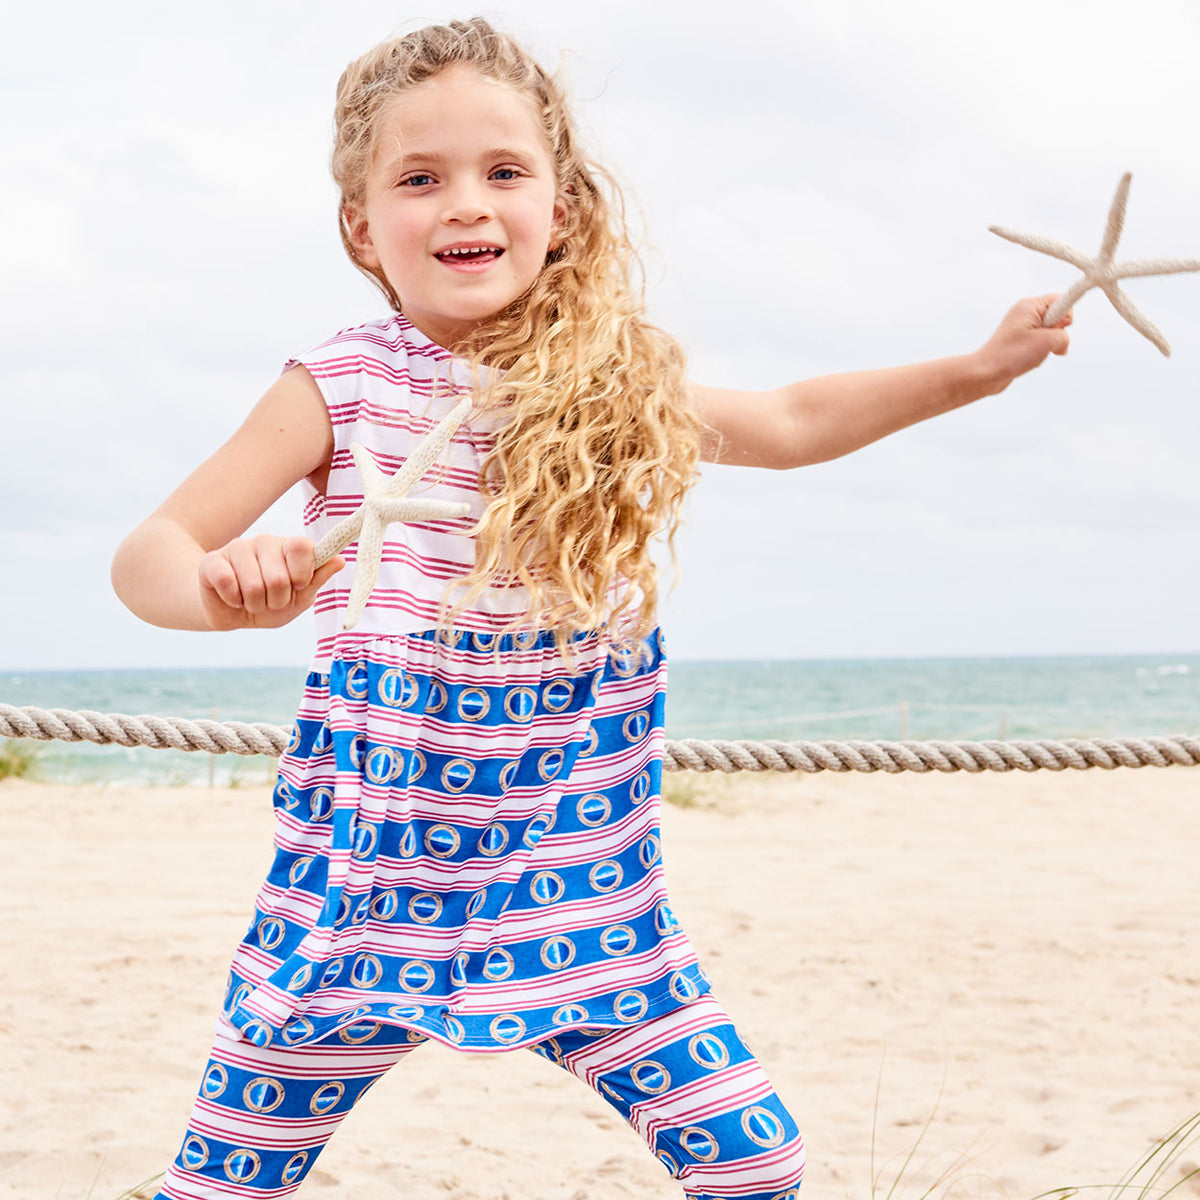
<point>358,233</point>
<point>560,217</point>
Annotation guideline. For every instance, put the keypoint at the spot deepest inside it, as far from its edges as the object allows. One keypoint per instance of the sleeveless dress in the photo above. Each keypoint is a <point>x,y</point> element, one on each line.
<point>467,841</point>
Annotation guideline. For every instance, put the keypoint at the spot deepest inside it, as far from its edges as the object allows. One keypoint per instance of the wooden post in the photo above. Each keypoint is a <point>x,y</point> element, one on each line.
<point>212,758</point>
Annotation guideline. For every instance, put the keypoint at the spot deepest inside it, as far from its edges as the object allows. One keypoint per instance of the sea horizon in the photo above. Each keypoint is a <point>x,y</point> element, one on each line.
<point>6,671</point>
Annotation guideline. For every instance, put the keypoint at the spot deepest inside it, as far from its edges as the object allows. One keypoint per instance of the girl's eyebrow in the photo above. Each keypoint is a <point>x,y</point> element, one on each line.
<point>436,158</point>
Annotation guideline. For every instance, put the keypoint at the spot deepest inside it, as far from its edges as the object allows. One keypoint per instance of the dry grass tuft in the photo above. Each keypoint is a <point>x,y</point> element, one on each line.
<point>18,758</point>
<point>144,1190</point>
<point>1149,1178</point>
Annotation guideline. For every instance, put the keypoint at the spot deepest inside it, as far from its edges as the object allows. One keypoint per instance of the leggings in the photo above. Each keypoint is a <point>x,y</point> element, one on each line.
<point>685,1081</point>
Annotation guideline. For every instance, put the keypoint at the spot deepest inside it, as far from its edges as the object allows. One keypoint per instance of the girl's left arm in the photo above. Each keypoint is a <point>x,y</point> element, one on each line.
<point>820,419</point>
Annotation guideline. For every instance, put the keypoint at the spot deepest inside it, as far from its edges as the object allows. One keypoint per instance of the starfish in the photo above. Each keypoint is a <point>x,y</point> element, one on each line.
<point>1101,271</point>
<point>385,501</point>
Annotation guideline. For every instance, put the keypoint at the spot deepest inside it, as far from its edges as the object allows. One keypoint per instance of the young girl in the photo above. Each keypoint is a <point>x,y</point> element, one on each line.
<point>468,843</point>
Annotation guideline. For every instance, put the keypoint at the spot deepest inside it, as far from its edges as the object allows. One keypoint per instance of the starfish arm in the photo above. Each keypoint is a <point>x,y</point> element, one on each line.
<point>372,477</point>
<point>1033,241</point>
<point>404,508</point>
<point>1155,266</point>
<point>1126,308</point>
<point>339,537</point>
<point>345,531</point>
<point>1066,301</point>
<point>1116,221</point>
<point>429,450</point>
<point>366,568</point>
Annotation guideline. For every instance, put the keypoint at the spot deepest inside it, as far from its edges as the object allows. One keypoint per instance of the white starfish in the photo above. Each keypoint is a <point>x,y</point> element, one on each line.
<point>385,501</point>
<point>1101,271</point>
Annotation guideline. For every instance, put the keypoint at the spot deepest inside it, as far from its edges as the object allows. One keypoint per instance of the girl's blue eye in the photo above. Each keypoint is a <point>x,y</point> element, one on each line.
<point>418,180</point>
<point>504,174</point>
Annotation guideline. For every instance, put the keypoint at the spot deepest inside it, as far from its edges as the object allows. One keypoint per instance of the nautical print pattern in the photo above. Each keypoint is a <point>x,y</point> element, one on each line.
<point>468,846</point>
<point>697,1096</point>
<point>263,1114</point>
<point>685,1081</point>
<point>387,386</point>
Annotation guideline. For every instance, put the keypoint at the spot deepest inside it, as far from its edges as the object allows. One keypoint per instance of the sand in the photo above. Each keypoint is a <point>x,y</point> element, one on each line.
<point>1016,954</point>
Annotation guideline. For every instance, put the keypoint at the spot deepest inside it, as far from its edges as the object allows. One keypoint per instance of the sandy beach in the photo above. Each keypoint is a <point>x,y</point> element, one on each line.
<point>1018,955</point>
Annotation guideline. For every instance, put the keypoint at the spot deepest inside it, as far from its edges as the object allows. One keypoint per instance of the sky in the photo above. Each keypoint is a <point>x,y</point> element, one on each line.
<point>812,185</point>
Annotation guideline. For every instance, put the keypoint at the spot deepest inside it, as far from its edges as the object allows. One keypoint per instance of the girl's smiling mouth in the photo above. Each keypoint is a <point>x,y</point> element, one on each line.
<point>467,256</point>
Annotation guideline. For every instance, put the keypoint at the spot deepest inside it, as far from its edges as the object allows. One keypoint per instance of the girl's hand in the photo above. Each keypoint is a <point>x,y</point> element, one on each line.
<point>1022,342</point>
<point>261,582</point>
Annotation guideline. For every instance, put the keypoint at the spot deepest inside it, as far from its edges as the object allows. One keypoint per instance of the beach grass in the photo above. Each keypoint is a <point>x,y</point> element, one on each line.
<point>1150,1177</point>
<point>1159,1173</point>
<point>18,759</point>
<point>144,1190</point>
<point>945,1178</point>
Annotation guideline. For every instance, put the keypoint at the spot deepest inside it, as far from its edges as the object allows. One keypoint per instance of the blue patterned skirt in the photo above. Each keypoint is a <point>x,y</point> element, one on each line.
<point>468,847</point>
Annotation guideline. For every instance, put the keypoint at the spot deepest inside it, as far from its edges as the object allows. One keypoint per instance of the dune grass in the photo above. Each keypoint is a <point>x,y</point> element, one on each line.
<point>144,1190</point>
<point>1149,1177</point>
<point>1159,1173</point>
<point>18,758</point>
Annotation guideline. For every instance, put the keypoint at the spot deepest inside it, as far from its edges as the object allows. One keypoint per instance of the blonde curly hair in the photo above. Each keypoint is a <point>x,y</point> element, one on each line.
<point>601,446</point>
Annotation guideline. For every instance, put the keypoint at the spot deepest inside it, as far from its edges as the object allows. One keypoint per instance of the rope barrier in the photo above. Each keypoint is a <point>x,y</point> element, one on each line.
<point>236,737</point>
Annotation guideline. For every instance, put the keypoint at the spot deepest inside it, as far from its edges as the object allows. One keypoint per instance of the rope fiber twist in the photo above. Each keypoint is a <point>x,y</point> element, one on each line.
<point>237,737</point>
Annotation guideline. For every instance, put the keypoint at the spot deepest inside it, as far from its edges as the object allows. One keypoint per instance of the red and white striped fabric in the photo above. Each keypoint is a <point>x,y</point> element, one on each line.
<point>386,386</point>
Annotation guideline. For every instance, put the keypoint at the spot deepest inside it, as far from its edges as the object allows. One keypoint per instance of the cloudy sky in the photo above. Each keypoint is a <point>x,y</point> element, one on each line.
<point>814,184</point>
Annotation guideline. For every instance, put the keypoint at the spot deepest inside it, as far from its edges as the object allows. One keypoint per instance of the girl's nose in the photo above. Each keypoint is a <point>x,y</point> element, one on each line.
<point>467,204</point>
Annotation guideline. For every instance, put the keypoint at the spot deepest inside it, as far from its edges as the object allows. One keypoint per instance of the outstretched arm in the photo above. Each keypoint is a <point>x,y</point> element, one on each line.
<point>820,419</point>
<point>187,566</point>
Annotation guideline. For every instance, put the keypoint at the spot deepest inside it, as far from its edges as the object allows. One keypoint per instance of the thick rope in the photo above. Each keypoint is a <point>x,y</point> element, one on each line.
<point>235,737</point>
<point>160,733</point>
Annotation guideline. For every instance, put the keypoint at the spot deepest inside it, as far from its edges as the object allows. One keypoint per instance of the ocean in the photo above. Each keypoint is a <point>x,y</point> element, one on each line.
<point>810,700</point>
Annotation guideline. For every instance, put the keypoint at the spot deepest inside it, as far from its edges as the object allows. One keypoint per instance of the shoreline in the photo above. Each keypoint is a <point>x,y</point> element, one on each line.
<point>1015,954</point>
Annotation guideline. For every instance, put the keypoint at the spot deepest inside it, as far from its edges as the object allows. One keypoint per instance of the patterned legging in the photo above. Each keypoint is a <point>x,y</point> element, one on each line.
<point>685,1081</point>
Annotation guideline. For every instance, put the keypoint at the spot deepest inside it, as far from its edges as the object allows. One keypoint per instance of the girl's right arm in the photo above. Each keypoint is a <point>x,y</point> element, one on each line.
<point>187,566</point>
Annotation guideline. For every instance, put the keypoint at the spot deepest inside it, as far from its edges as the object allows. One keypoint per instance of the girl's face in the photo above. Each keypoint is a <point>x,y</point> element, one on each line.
<point>461,202</point>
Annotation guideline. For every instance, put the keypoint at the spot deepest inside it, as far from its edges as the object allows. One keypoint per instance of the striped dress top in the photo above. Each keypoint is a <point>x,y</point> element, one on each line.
<point>467,840</point>
<point>386,386</point>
